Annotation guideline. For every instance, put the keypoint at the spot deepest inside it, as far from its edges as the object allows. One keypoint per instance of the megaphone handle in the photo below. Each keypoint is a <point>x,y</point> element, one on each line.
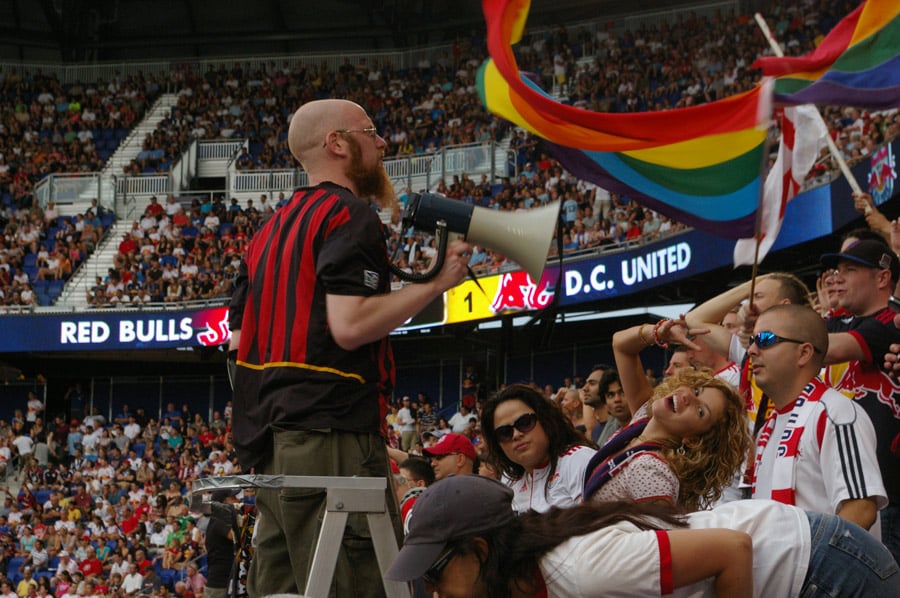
<point>440,233</point>
<point>453,236</point>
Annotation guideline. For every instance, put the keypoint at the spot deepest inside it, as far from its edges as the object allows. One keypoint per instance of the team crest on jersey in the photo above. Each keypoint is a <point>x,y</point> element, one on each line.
<point>370,279</point>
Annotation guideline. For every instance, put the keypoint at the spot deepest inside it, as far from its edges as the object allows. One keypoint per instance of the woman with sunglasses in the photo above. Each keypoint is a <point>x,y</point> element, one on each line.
<point>466,540</point>
<point>687,437</point>
<point>541,455</point>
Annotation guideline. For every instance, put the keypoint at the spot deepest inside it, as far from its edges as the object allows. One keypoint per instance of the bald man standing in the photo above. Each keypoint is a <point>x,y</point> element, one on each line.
<point>314,366</point>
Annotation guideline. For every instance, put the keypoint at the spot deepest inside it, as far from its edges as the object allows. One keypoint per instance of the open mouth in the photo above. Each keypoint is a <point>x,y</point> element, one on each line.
<point>670,402</point>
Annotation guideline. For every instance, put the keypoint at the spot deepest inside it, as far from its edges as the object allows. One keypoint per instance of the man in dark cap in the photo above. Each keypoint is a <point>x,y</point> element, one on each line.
<point>865,273</point>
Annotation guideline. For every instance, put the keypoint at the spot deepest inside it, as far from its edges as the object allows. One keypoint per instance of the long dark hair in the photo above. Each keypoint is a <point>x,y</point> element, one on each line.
<point>514,549</point>
<point>559,429</point>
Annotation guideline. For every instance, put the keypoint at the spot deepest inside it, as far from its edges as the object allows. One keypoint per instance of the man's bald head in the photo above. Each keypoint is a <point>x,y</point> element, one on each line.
<point>799,322</point>
<point>312,123</point>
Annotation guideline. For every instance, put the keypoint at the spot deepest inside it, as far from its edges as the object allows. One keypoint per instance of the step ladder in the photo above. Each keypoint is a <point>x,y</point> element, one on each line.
<point>345,495</point>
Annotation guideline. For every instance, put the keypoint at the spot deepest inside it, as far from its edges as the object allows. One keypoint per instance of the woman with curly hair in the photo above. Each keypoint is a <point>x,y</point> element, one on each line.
<point>686,439</point>
<point>541,455</point>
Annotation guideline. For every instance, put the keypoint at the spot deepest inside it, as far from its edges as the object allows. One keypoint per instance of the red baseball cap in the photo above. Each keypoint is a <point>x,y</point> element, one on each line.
<point>451,444</point>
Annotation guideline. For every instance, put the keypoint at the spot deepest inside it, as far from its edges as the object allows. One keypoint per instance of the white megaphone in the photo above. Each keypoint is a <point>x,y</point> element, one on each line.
<point>523,237</point>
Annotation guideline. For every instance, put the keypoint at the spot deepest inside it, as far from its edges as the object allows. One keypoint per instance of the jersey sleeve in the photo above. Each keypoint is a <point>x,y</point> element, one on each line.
<point>875,335</point>
<point>573,466</point>
<point>623,563</point>
<point>847,454</point>
<point>352,259</point>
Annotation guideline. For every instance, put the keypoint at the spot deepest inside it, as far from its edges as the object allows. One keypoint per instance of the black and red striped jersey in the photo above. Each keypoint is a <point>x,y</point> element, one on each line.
<point>291,374</point>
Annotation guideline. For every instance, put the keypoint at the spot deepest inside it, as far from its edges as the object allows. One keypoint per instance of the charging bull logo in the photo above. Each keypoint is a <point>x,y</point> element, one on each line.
<point>517,292</point>
<point>213,324</point>
<point>857,381</point>
<point>882,175</point>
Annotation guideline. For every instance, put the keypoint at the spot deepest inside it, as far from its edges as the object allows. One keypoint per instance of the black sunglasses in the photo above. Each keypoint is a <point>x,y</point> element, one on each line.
<point>525,423</point>
<point>766,339</point>
<point>434,573</point>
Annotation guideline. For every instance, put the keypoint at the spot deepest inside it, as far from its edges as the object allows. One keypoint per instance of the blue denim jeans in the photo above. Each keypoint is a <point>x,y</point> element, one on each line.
<point>890,528</point>
<point>845,561</point>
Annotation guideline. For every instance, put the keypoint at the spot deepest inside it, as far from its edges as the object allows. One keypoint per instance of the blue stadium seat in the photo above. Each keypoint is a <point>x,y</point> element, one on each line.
<point>14,570</point>
<point>168,577</point>
<point>139,448</point>
<point>44,299</point>
<point>107,219</point>
<point>42,495</point>
<point>29,260</point>
<point>55,288</point>
<point>31,271</point>
<point>40,286</point>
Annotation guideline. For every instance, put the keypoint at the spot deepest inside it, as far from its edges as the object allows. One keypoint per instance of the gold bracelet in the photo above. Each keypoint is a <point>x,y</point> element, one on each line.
<point>641,336</point>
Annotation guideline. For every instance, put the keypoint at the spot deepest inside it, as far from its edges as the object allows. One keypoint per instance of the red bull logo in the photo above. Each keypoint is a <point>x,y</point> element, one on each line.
<point>517,292</point>
<point>858,381</point>
<point>213,326</point>
<point>882,175</point>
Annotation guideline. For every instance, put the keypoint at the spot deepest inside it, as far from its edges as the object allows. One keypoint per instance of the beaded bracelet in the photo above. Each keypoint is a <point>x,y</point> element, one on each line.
<point>641,336</point>
<point>656,339</point>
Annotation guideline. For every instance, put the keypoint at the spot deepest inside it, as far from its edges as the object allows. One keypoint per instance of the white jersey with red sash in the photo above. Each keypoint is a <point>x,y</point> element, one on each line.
<point>818,452</point>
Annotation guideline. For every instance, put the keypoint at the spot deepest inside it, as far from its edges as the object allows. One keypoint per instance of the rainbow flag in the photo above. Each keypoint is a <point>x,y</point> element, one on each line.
<point>857,64</point>
<point>700,165</point>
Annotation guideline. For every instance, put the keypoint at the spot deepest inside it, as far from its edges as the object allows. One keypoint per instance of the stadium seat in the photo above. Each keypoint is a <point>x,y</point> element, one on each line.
<point>139,448</point>
<point>42,495</point>
<point>55,288</point>
<point>29,260</point>
<point>14,570</point>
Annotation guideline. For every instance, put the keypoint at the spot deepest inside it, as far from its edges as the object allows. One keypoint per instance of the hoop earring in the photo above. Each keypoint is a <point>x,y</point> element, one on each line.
<point>680,450</point>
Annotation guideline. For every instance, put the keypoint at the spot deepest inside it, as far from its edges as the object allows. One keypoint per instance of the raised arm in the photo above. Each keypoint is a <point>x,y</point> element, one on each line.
<point>355,321</point>
<point>709,313</point>
<point>627,346</point>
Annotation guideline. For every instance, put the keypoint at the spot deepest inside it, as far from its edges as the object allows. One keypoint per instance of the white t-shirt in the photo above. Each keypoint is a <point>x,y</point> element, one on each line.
<point>24,444</point>
<point>836,460</point>
<point>405,420</point>
<point>565,489</point>
<point>620,560</point>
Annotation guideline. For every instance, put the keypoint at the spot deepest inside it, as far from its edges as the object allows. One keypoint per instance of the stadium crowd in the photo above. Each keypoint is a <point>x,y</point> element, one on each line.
<point>49,127</point>
<point>102,506</point>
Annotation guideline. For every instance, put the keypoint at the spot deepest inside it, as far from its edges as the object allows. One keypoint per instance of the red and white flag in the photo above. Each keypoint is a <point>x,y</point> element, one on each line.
<point>802,137</point>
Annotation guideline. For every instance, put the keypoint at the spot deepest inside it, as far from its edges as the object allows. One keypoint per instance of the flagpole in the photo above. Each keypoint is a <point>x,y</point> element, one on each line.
<point>832,147</point>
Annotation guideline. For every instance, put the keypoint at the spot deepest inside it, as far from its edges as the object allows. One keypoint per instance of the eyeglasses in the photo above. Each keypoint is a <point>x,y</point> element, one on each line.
<point>434,573</point>
<point>766,339</point>
<point>525,423</point>
<point>370,131</point>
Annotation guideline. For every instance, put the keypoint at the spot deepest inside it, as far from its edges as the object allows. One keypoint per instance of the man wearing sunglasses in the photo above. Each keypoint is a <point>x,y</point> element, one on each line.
<point>865,273</point>
<point>817,449</point>
<point>314,366</point>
